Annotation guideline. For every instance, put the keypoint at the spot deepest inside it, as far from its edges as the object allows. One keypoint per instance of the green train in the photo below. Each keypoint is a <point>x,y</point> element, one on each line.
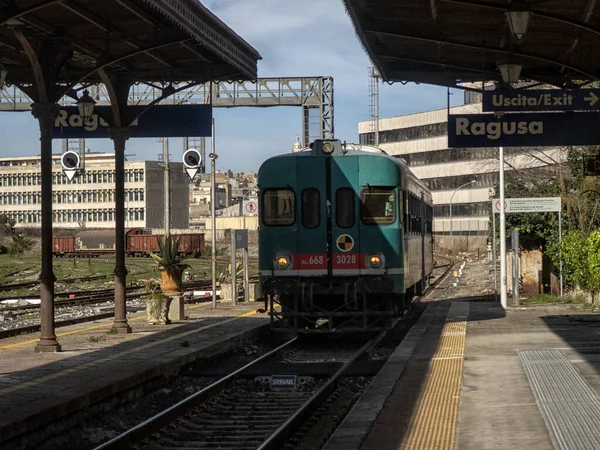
<point>345,237</point>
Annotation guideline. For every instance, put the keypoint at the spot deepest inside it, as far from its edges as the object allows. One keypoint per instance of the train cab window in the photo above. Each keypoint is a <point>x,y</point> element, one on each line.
<point>278,207</point>
<point>344,207</point>
<point>378,205</point>
<point>311,208</point>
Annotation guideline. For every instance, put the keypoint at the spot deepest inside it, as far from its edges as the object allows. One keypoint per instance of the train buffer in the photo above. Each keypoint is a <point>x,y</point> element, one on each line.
<point>470,375</point>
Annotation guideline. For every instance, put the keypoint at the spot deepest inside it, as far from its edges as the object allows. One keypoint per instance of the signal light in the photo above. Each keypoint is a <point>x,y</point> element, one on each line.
<point>327,148</point>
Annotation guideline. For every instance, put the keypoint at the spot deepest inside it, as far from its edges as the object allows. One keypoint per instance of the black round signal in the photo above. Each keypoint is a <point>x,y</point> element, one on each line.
<point>70,160</point>
<point>192,158</point>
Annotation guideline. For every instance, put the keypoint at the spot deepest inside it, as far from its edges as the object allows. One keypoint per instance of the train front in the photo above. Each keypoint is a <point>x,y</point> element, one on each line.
<point>330,254</point>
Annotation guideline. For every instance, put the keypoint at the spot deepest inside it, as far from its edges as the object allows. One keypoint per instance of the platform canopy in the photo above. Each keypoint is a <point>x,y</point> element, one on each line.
<point>142,40</point>
<point>445,42</point>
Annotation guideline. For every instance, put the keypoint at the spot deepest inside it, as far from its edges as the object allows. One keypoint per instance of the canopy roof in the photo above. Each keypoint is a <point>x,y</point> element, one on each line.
<point>144,40</point>
<point>445,42</point>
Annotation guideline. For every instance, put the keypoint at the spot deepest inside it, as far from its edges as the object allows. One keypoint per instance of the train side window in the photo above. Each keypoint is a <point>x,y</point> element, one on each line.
<point>407,213</point>
<point>378,205</point>
<point>344,207</point>
<point>311,208</point>
<point>278,207</point>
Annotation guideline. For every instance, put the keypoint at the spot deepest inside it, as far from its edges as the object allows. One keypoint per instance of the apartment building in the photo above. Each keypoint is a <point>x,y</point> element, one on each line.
<point>89,199</point>
<point>458,177</point>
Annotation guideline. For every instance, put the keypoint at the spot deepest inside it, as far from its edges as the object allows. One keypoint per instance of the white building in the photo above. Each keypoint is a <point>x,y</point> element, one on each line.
<point>89,199</point>
<point>422,140</point>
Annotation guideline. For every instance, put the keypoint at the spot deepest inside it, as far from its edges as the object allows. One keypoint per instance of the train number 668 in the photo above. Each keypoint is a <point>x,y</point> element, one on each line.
<point>345,259</point>
<point>314,260</point>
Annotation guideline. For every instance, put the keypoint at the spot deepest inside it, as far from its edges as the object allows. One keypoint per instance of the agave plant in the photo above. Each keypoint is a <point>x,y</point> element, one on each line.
<point>168,256</point>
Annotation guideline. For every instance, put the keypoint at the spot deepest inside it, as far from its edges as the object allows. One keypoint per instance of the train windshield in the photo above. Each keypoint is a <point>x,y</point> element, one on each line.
<point>378,205</point>
<point>278,207</point>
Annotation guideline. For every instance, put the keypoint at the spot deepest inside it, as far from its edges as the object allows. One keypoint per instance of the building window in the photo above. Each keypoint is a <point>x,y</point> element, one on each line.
<point>407,134</point>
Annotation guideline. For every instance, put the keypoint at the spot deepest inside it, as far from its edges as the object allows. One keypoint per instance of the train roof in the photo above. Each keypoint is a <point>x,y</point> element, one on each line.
<point>357,150</point>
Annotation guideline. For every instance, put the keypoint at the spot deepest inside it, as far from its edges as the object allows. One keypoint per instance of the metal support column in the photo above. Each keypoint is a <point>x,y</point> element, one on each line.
<point>246,276</point>
<point>119,136</point>
<point>167,187</point>
<point>503,300</point>
<point>213,199</point>
<point>45,113</point>
<point>515,274</point>
<point>494,256</point>
<point>234,289</point>
<point>560,250</point>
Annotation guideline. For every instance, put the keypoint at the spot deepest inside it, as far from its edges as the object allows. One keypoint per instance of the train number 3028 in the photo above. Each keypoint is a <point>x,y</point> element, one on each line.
<point>345,259</point>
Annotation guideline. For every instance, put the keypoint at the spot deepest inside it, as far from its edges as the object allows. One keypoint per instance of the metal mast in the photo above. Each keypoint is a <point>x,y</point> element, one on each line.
<point>167,183</point>
<point>374,103</point>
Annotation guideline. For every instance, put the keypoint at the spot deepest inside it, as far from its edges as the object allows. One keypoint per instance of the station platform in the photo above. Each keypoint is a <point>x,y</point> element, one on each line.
<point>471,376</point>
<point>96,370</point>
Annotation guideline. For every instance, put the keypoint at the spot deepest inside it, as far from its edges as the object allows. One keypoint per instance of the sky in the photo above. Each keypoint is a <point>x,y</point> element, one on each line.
<point>295,38</point>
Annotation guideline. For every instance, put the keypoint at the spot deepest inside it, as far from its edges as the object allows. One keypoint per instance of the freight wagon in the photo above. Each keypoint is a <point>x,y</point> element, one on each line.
<point>138,242</point>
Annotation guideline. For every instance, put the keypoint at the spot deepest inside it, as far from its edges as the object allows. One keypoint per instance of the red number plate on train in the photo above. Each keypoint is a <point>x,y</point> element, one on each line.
<point>346,261</point>
<point>311,261</point>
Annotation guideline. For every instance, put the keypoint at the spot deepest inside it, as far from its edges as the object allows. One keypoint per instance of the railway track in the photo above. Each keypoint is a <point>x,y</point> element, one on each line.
<point>88,297</point>
<point>246,411</point>
<point>27,284</point>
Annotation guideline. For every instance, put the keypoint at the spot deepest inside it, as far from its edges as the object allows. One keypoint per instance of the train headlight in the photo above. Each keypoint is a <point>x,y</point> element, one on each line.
<point>283,262</point>
<point>375,261</point>
<point>327,148</point>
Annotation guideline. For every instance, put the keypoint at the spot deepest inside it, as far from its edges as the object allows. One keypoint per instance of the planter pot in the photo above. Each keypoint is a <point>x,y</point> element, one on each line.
<point>225,291</point>
<point>171,283</point>
<point>157,310</point>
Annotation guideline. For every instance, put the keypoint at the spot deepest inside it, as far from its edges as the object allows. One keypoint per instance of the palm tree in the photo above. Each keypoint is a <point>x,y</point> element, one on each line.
<point>20,244</point>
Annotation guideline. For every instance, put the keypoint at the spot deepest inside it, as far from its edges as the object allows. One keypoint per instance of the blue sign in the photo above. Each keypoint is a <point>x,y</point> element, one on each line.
<point>541,100</point>
<point>523,130</point>
<point>158,121</point>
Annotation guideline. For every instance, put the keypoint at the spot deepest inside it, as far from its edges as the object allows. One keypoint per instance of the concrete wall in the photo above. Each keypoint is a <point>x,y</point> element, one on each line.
<point>455,244</point>
<point>155,196</point>
<point>228,223</point>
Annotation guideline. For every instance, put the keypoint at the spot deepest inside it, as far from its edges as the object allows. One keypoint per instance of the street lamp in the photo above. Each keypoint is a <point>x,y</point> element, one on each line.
<point>510,72</point>
<point>86,104</point>
<point>518,15</point>
<point>452,197</point>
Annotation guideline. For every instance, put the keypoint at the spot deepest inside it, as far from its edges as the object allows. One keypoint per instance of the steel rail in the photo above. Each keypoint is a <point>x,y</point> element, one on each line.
<point>278,439</point>
<point>155,423</point>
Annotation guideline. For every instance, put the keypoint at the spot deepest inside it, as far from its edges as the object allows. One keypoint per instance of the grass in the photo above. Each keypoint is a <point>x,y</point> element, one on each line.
<point>140,269</point>
<point>96,338</point>
<point>112,330</point>
<point>545,298</point>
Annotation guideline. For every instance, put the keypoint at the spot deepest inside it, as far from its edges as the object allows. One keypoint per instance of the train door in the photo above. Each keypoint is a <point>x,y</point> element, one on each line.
<point>311,255</point>
<point>345,227</point>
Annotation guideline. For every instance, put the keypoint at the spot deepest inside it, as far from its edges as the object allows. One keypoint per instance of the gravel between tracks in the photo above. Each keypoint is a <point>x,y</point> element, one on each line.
<point>102,427</point>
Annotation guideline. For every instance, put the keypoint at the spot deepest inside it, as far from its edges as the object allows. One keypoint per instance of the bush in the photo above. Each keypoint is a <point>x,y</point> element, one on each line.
<point>3,249</point>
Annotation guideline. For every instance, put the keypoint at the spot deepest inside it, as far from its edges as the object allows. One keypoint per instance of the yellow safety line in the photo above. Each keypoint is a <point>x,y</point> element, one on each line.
<point>433,422</point>
<point>116,356</point>
<point>81,330</point>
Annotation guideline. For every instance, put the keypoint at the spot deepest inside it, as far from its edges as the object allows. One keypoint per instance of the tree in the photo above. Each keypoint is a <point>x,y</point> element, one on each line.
<point>20,244</point>
<point>7,225</point>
